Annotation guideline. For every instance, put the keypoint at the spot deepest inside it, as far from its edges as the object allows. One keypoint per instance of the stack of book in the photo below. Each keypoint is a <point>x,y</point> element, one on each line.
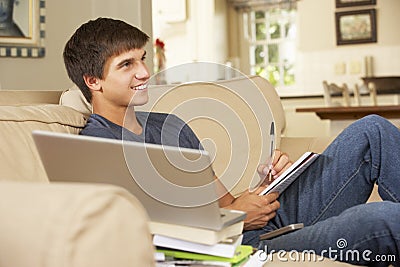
<point>179,245</point>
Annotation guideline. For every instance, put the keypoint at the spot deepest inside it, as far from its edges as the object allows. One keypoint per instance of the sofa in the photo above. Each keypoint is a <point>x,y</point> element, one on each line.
<point>67,224</point>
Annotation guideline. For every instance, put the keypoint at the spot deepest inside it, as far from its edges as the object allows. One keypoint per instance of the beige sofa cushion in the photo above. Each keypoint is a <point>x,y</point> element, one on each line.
<point>18,154</point>
<point>73,98</point>
<point>72,225</point>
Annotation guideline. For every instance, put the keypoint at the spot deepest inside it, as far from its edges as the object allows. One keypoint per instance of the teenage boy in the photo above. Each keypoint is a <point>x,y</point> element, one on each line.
<point>105,59</point>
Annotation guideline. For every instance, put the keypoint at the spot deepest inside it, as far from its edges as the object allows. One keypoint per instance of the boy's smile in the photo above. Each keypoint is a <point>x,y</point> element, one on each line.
<point>140,87</point>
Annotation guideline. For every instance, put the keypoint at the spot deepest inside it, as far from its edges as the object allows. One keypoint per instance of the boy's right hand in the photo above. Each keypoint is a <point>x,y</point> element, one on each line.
<point>259,209</point>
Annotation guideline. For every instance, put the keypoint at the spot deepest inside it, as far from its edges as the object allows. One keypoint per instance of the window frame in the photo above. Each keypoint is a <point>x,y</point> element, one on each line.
<point>270,17</point>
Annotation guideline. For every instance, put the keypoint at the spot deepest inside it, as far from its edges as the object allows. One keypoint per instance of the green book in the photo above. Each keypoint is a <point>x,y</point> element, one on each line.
<point>241,253</point>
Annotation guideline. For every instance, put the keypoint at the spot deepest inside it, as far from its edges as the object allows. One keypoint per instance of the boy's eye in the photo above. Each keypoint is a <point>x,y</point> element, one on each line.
<point>127,64</point>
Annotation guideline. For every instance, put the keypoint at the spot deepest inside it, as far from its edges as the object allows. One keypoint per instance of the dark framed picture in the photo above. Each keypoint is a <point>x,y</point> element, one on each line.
<point>347,3</point>
<point>22,30</point>
<point>356,27</point>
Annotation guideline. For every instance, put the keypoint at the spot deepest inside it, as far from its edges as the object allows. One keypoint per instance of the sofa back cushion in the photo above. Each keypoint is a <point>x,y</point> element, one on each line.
<point>19,159</point>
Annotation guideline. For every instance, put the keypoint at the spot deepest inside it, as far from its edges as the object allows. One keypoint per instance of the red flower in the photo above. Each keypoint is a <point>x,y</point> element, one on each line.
<point>160,43</point>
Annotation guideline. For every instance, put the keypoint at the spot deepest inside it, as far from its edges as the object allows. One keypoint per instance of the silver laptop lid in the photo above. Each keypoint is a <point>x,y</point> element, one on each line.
<point>174,185</point>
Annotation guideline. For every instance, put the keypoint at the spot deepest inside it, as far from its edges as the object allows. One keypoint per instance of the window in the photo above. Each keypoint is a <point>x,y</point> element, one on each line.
<point>273,45</point>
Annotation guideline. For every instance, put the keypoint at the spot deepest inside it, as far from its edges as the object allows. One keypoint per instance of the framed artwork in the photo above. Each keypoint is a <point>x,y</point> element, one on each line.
<point>22,28</point>
<point>356,27</point>
<point>347,3</point>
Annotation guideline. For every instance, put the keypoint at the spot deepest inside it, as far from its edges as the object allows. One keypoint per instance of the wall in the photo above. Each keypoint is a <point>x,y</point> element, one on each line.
<point>62,18</point>
<point>318,55</point>
<point>202,35</point>
<point>319,58</point>
<point>317,29</point>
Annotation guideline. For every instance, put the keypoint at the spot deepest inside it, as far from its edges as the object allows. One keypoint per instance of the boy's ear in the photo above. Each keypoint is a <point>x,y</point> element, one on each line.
<point>92,82</point>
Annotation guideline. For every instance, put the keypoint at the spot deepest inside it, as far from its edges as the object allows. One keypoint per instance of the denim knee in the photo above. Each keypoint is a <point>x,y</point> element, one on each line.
<point>379,121</point>
<point>371,119</point>
<point>378,217</point>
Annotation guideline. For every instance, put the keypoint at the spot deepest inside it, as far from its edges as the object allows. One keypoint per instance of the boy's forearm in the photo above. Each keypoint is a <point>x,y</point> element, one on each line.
<point>227,198</point>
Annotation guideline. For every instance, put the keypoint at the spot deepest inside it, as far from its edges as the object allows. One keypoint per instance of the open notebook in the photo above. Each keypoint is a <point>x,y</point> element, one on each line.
<point>291,174</point>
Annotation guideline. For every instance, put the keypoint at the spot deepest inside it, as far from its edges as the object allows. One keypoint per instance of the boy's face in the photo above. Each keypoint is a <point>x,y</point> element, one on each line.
<point>126,77</point>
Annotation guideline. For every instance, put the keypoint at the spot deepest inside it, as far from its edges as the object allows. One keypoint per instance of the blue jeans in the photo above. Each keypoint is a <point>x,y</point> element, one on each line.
<point>329,198</point>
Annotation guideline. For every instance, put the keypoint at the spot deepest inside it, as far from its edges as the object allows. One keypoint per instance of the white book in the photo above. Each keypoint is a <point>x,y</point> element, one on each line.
<point>291,174</point>
<point>195,234</point>
<point>189,263</point>
<point>224,249</point>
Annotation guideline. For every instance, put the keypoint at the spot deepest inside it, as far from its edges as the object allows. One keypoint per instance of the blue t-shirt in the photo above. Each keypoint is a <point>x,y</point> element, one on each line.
<point>158,128</point>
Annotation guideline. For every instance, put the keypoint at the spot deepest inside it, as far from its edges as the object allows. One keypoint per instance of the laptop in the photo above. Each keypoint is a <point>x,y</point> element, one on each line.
<point>175,185</point>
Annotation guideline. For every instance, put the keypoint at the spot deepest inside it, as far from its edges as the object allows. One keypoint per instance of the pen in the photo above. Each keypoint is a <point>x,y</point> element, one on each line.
<point>272,137</point>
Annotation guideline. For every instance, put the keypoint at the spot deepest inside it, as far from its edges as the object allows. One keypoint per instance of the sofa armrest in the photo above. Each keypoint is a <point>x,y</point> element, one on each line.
<point>20,160</point>
<point>80,225</point>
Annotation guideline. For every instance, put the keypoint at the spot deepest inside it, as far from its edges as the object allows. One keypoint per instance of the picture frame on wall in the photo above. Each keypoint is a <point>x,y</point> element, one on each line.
<point>349,3</point>
<point>22,30</point>
<point>356,27</point>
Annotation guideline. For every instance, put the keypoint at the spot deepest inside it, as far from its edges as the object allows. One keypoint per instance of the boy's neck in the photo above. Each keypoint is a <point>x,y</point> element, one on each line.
<point>124,117</point>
